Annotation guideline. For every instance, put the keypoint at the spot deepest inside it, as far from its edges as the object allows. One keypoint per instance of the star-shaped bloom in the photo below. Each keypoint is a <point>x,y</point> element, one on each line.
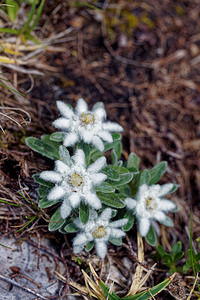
<point>149,205</point>
<point>75,183</point>
<point>98,229</point>
<point>86,125</point>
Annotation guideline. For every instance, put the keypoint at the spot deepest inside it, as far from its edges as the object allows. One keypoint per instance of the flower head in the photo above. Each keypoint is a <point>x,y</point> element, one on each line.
<point>86,125</point>
<point>98,229</point>
<point>75,183</point>
<point>149,204</point>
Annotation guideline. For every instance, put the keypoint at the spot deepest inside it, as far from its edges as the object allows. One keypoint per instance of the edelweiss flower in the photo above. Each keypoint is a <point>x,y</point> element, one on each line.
<point>98,229</point>
<point>149,204</point>
<point>74,183</point>
<point>85,125</point>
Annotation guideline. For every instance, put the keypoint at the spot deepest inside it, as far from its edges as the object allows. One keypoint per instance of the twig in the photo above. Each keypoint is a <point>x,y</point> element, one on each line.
<point>30,291</point>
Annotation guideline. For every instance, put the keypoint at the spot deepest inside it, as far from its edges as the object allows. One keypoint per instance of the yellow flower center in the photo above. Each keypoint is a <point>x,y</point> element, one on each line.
<point>76,180</point>
<point>99,232</point>
<point>150,203</point>
<point>87,118</point>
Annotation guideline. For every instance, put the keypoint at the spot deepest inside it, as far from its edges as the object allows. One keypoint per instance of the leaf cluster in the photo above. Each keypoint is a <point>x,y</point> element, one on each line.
<point>12,8</point>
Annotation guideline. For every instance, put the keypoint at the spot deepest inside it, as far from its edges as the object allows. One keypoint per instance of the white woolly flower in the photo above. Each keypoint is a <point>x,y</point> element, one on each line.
<point>149,204</point>
<point>86,125</point>
<point>75,183</point>
<point>98,229</point>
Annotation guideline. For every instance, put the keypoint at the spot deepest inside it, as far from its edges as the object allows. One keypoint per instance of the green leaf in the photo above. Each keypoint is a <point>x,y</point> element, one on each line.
<point>56,221</point>
<point>151,237</point>
<point>177,247</point>
<point>43,148</point>
<point>116,241</point>
<point>104,288</point>
<point>43,191</point>
<point>41,181</point>
<point>12,8</point>
<point>133,162</point>
<point>123,179</point>
<point>89,246</point>
<point>57,136</point>
<point>70,228</point>
<point>84,212</point>
<point>161,251</point>
<point>111,173</point>
<point>116,152</point>
<point>44,203</point>
<point>144,177</point>
<point>105,187</point>
<point>157,172</point>
<point>128,215</point>
<point>64,155</point>
<point>36,19</point>
<point>118,175</point>
<point>145,295</point>
<point>46,139</point>
<point>111,200</point>
<point>114,159</point>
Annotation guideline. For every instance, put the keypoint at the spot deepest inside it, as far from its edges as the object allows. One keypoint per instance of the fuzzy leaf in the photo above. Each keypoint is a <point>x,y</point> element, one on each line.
<point>57,136</point>
<point>111,173</point>
<point>151,237</point>
<point>44,203</point>
<point>43,191</point>
<point>105,187</point>
<point>111,200</point>
<point>144,177</point>
<point>56,221</point>
<point>128,215</point>
<point>70,228</point>
<point>43,148</point>
<point>89,246</point>
<point>116,241</point>
<point>46,139</point>
<point>64,155</point>
<point>157,172</point>
<point>124,179</point>
<point>174,188</point>
<point>84,212</point>
<point>116,152</point>
<point>41,181</point>
<point>133,162</point>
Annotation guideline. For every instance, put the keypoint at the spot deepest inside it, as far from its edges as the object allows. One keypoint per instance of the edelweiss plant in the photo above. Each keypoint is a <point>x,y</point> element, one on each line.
<point>149,204</point>
<point>84,124</point>
<point>98,230</point>
<point>88,192</point>
<point>74,182</point>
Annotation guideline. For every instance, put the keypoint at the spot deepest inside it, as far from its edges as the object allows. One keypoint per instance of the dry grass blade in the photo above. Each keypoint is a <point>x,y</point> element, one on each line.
<point>12,118</point>
<point>136,284</point>
<point>81,289</point>
<point>192,290</point>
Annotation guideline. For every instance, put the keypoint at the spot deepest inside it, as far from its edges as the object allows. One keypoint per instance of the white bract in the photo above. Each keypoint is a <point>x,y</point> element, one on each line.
<point>86,125</point>
<point>75,183</point>
<point>149,204</point>
<point>98,229</point>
